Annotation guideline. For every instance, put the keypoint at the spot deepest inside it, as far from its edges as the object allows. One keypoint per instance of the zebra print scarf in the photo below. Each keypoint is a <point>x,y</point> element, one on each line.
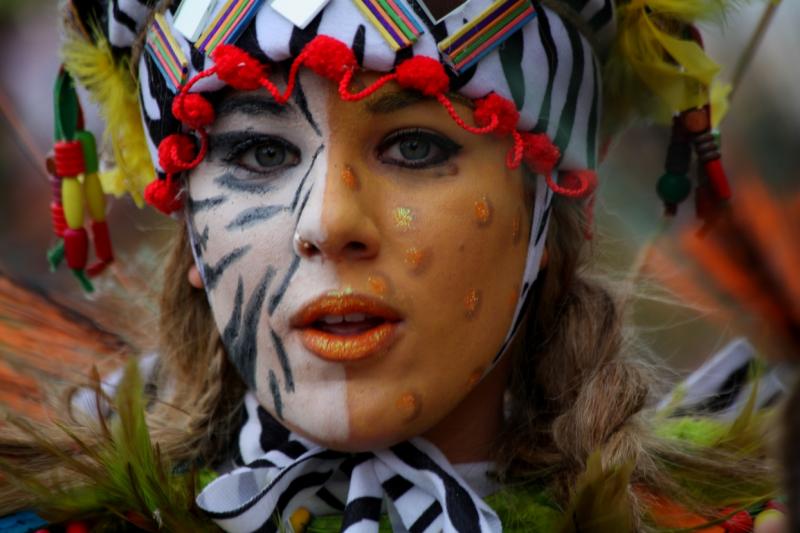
<point>413,481</point>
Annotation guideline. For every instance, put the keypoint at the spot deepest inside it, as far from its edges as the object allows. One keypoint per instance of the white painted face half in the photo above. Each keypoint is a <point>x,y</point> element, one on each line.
<point>263,177</point>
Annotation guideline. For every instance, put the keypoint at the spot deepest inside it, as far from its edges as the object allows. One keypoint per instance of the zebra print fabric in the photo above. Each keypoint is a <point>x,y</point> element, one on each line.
<point>411,481</point>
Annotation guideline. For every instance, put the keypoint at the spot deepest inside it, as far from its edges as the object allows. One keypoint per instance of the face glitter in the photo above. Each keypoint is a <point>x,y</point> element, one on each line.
<point>403,218</point>
<point>410,405</point>
<point>349,178</point>
<point>414,257</point>
<point>483,211</point>
<point>471,302</point>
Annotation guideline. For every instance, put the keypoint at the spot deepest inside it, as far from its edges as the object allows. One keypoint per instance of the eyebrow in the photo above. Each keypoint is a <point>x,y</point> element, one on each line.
<point>251,104</point>
<point>397,100</point>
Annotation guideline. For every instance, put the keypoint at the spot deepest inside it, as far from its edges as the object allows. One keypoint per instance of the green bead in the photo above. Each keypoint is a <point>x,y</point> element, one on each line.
<point>89,150</point>
<point>674,188</point>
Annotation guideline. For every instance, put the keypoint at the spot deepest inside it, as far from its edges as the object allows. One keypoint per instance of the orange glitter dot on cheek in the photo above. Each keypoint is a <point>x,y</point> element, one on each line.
<point>378,284</point>
<point>472,302</point>
<point>409,405</point>
<point>349,178</point>
<point>483,211</point>
<point>415,258</point>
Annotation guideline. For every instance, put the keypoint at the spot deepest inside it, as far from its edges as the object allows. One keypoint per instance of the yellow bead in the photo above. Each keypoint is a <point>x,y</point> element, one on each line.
<point>300,520</point>
<point>94,197</point>
<point>769,518</point>
<point>72,200</point>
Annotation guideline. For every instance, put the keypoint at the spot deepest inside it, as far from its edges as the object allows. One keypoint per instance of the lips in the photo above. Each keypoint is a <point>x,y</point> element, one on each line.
<point>346,327</point>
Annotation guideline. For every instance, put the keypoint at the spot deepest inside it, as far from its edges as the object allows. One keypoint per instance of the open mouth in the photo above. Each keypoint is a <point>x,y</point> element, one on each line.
<point>347,327</point>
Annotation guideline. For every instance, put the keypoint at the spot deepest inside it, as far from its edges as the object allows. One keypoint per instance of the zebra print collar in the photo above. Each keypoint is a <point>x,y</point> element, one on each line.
<point>411,481</point>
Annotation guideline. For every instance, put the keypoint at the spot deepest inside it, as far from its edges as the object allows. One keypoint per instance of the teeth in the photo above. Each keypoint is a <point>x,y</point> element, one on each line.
<point>333,319</point>
<point>355,317</point>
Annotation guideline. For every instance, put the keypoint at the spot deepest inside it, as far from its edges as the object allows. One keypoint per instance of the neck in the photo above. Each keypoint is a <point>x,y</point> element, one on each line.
<point>469,433</point>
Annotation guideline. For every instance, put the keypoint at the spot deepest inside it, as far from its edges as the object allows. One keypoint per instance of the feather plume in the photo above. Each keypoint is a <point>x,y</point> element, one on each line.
<point>112,87</point>
<point>656,68</point>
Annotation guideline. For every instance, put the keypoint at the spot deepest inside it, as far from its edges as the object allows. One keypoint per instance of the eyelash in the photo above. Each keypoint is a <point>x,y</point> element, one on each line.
<point>237,144</point>
<point>446,146</point>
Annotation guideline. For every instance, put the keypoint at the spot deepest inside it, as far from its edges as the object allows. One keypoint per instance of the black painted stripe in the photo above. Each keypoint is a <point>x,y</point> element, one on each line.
<point>302,104</point>
<point>232,183</point>
<point>359,42</point>
<point>275,389</point>
<point>567,121</point>
<point>306,175</point>
<point>214,273</point>
<point>363,508</point>
<point>254,215</point>
<point>283,359</point>
<point>278,296</point>
<point>206,203</point>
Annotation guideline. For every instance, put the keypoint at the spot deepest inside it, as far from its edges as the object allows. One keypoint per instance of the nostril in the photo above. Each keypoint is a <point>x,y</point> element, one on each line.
<point>355,246</point>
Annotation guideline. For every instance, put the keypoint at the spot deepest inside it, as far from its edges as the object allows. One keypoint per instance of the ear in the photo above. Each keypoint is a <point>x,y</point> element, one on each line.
<point>194,278</point>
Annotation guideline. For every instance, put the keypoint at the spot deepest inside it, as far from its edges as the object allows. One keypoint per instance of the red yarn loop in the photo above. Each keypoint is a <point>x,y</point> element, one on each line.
<point>423,74</point>
<point>448,105</point>
<point>347,96</point>
<point>539,153</point>
<point>495,105</point>
<point>176,153</point>
<point>193,110</point>
<point>516,152</point>
<point>237,68</point>
<point>573,184</point>
<point>327,57</point>
<point>69,159</point>
<point>164,195</point>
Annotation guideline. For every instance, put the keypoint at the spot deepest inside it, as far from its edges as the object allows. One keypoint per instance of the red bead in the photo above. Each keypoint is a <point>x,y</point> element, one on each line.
<point>77,527</point>
<point>176,153</point>
<point>102,242</point>
<point>69,159</point>
<point>778,506</point>
<point>237,68</point>
<point>329,58</point>
<point>164,195</point>
<point>76,247</point>
<point>495,105</point>
<point>57,216</point>
<point>193,110</point>
<point>718,179</point>
<point>540,154</point>
<point>423,74</point>
<point>741,522</point>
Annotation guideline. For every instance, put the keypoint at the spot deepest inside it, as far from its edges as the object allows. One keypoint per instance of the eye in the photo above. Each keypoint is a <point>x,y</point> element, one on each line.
<point>261,154</point>
<point>416,148</point>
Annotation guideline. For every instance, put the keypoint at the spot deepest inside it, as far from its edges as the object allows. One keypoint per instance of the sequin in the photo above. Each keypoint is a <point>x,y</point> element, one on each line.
<point>403,218</point>
<point>483,211</point>
<point>349,178</point>
<point>471,302</point>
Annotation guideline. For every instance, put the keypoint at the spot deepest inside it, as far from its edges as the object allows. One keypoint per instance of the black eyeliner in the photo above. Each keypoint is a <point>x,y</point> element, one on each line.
<point>448,146</point>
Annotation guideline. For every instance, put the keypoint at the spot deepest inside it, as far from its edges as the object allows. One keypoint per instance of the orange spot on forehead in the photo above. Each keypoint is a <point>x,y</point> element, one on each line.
<point>378,284</point>
<point>349,178</point>
<point>409,405</point>
<point>471,302</point>
<point>483,211</point>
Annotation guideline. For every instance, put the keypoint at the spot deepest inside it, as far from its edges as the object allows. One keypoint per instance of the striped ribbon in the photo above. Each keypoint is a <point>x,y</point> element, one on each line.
<point>166,53</point>
<point>393,20</point>
<point>229,23</point>
<point>485,33</point>
<point>413,481</point>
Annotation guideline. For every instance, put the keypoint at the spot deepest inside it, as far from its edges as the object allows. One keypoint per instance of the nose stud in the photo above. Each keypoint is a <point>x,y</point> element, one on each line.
<point>302,245</point>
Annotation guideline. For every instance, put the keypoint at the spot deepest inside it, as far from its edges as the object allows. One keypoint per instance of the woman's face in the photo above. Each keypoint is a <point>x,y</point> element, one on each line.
<point>362,259</point>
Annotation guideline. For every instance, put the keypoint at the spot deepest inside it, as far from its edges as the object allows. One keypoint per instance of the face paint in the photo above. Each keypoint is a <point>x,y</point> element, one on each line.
<point>483,211</point>
<point>341,338</point>
<point>516,228</point>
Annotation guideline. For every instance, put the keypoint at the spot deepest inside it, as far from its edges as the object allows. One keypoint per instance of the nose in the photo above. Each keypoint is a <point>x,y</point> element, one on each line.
<point>336,223</point>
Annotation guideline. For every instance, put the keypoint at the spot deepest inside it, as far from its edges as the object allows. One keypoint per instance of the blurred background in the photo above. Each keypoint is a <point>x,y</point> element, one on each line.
<point>697,294</point>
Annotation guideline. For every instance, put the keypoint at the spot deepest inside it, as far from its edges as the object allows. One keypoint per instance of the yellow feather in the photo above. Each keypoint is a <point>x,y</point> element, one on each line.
<point>112,87</point>
<point>655,69</point>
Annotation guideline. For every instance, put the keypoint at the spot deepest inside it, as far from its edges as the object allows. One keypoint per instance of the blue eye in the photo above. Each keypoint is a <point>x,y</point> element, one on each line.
<point>416,148</point>
<point>257,153</point>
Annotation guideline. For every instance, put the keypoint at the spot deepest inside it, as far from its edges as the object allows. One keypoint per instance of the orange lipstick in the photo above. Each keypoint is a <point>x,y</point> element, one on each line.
<point>346,327</point>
